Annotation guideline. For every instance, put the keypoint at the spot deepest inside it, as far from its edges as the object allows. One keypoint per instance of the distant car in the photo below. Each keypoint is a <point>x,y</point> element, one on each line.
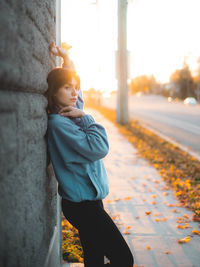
<point>190,101</point>
<point>170,99</point>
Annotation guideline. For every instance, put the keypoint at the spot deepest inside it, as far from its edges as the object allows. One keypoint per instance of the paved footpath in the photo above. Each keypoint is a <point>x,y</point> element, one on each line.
<point>144,209</point>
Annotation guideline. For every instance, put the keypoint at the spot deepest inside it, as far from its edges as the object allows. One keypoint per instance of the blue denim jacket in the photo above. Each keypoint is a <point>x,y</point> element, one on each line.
<point>76,148</point>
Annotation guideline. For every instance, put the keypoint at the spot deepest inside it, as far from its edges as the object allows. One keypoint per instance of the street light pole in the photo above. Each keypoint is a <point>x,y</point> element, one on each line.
<point>122,68</point>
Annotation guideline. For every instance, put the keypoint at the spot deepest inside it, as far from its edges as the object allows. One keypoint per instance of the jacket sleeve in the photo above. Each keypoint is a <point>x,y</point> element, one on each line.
<point>80,144</point>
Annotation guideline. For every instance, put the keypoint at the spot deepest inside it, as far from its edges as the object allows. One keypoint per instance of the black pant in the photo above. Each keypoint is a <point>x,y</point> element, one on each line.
<point>98,233</point>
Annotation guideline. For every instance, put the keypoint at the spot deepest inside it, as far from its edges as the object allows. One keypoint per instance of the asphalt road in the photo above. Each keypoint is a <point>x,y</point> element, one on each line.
<point>175,120</point>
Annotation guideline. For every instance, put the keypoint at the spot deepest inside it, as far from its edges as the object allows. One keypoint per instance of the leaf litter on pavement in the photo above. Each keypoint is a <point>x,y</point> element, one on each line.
<point>179,170</point>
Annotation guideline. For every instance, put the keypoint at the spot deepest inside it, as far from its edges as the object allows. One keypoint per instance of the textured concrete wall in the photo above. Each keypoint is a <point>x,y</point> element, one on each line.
<point>28,206</point>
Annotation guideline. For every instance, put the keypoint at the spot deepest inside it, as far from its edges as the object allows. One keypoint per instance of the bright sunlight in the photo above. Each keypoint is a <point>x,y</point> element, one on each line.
<point>160,35</point>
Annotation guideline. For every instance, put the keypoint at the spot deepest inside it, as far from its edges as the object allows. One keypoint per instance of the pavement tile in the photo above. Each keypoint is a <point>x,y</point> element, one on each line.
<point>132,177</point>
<point>145,207</point>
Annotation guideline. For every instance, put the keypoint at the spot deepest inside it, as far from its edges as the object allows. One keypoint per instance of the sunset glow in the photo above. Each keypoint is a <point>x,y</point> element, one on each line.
<point>160,34</point>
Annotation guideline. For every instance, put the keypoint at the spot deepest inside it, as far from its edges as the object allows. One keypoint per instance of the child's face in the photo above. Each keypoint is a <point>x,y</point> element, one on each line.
<point>67,94</point>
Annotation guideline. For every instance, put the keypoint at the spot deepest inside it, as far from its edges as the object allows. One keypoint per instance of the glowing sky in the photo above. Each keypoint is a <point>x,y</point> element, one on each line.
<point>159,34</point>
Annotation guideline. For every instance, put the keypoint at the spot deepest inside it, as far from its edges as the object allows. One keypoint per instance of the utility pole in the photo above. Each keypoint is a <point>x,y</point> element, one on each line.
<point>121,64</point>
<point>198,81</point>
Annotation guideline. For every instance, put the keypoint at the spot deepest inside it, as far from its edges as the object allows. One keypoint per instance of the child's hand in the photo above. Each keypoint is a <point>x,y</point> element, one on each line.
<point>71,112</point>
<point>58,51</point>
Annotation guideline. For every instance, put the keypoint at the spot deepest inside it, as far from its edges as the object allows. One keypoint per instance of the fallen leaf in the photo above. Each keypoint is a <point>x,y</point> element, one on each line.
<point>153,196</point>
<point>175,211</point>
<point>154,202</point>
<point>148,247</point>
<point>161,219</point>
<point>148,212</point>
<point>156,181</point>
<point>127,233</point>
<point>117,199</point>
<point>164,188</point>
<point>184,240</point>
<point>108,201</point>
<point>179,204</point>
<point>114,217</point>
<point>168,252</point>
<point>195,218</point>
<point>185,226</point>
<point>170,205</point>
<point>127,198</point>
<point>128,227</point>
<point>195,232</point>
<point>182,220</point>
<point>165,194</point>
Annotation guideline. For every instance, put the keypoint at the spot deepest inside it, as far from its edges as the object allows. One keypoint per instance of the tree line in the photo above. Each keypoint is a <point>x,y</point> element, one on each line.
<point>181,84</point>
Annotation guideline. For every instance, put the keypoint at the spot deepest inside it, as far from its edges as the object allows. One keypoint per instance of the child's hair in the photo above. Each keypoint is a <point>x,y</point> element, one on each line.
<point>56,78</point>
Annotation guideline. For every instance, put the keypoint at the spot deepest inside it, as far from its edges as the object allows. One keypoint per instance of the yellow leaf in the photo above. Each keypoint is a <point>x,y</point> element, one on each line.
<point>184,240</point>
<point>179,204</point>
<point>195,232</point>
<point>183,226</point>
<point>127,198</point>
<point>126,232</point>
<point>148,247</point>
<point>165,194</point>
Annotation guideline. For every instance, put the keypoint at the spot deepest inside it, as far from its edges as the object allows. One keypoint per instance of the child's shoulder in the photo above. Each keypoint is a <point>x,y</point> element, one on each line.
<point>57,119</point>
